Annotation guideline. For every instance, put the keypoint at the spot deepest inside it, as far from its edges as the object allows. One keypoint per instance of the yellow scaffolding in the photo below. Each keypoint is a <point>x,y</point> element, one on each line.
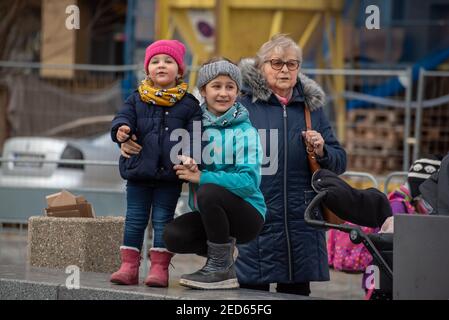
<point>241,27</point>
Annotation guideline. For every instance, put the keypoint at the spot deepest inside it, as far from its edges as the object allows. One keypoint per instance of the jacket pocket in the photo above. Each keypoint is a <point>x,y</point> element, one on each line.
<point>308,196</point>
<point>130,163</point>
<point>143,165</point>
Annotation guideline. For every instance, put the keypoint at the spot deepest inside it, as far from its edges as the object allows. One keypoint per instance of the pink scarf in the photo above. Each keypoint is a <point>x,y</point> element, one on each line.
<point>283,100</point>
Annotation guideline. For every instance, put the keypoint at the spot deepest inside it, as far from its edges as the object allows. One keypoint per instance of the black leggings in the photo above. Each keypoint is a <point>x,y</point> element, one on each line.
<point>301,288</point>
<point>222,214</point>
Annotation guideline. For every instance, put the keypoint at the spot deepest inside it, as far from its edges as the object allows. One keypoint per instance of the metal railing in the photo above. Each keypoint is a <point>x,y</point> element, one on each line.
<point>441,102</point>
<point>392,175</point>
<point>364,175</point>
<point>74,162</point>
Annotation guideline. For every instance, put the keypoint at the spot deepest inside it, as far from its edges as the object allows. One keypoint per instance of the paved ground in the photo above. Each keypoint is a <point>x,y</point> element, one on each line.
<point>13,251</point>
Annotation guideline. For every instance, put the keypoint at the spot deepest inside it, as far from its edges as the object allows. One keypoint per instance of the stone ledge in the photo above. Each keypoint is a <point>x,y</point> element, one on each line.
<point>31,283</point>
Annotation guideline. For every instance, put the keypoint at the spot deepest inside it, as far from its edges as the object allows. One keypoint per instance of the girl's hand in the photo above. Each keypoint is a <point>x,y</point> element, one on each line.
<point>314,139</point>
<point>188,163</point>
<point>123,133</point>
<point>388,226</point>
<point>185,174</point>
<point>129,148</point>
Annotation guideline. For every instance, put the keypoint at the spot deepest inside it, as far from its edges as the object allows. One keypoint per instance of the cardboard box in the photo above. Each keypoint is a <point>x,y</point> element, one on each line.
<point>66,205</point>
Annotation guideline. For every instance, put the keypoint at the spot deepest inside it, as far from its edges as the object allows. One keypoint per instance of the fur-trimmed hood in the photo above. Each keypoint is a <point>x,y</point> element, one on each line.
<point>254,82</point>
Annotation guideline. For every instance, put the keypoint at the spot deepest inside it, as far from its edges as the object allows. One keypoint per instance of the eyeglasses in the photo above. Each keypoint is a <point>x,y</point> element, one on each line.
<point>278,64</point>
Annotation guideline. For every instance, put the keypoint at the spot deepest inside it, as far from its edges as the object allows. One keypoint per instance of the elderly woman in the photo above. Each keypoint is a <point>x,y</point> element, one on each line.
<point>287,251</point>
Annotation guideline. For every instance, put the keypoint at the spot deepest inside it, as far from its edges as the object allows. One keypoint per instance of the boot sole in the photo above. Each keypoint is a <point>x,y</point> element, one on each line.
<point>156,284</point>
<point>123,283</point>
<point>226,284</point>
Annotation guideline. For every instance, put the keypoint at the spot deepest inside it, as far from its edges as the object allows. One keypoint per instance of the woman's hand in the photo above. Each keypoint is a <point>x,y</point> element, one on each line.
<point>189,163</point>
<point>314,139</point>
<point>130,147</point>
<point>186,174</point>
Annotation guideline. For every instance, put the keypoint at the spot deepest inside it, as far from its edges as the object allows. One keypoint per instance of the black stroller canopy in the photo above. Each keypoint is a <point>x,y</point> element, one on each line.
<point>368,207</point>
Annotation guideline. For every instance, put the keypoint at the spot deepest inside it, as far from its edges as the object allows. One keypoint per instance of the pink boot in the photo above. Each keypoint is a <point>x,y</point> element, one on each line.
<point>158,275</point>
<point>129,270</point>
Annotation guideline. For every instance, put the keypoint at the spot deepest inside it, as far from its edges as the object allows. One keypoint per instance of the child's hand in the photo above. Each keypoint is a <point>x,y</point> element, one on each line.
<point>388,226</point>
<point>185,174</point>
<point>188,163</point>
<point>123,133</point>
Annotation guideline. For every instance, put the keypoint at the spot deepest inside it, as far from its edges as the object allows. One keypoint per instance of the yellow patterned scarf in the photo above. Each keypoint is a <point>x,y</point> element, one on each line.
<point>161,97</point>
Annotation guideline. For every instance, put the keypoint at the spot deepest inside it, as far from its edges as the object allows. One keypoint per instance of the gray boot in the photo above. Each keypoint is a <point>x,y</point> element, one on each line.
<point>218,272</point>
<point>234,253</point>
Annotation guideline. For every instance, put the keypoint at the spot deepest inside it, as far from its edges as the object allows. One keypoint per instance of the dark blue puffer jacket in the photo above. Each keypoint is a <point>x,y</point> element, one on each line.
<point>287,250</point>
<point>153,124</point>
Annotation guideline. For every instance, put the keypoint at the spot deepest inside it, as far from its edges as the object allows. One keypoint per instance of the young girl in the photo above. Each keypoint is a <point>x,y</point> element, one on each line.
<point>160,105</point>
<point>225,194</point>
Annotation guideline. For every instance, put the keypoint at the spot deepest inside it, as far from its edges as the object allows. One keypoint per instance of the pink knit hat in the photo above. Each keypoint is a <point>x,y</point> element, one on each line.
<point>173,48</point>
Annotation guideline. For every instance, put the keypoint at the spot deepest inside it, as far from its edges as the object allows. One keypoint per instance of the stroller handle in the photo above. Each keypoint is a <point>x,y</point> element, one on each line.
<point>356,234</point>
<point>321,223</point>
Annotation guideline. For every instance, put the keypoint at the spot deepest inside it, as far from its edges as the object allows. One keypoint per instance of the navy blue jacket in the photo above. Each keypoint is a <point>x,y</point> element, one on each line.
<point>287,250</point>
<point>153,124</point>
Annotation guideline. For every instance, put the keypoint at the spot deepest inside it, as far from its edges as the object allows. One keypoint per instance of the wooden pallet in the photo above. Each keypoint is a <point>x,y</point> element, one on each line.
<point>374,163</point>
<point>375,132</point>
<point>374,140</point>
<point>371,117</point>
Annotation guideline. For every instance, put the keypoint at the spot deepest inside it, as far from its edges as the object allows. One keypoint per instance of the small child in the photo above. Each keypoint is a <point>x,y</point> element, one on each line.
<point>160,105</point>
<point>229,206</point>
<point>407,198</point>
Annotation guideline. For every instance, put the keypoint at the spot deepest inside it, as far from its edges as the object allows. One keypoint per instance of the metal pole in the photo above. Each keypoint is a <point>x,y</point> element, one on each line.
<point>145,252</point>
<point>355,72</point>
<point>85,67</point>
<point>418,115</point>
<point>408,100</point>
<point>62,161</point>
<point>129,47</point>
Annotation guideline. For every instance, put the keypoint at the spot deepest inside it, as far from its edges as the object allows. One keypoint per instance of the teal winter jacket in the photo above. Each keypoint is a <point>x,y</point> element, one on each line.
<point>232,157</point>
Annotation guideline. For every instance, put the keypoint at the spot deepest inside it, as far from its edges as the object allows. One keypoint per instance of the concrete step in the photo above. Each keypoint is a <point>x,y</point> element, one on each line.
<point>31,283</point>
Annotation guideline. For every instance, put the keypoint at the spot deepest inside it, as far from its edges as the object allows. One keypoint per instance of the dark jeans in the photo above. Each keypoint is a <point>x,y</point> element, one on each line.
<point>161,200</point>
<point>222,214</point>
<point>302,288</point>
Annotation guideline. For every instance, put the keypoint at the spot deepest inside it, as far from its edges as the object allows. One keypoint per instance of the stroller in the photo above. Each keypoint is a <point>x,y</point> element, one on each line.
<point>368,208</point>
<point>371,208</point>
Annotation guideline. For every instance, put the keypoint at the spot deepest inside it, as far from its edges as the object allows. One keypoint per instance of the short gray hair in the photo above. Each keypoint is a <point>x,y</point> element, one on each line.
<point>278,43</point>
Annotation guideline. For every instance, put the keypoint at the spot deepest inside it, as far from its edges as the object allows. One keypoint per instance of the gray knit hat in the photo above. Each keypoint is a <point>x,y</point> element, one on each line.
<point>212,70</point>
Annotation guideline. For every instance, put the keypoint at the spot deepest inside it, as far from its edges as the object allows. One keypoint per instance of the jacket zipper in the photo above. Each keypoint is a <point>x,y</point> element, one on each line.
<point>290,275</point>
